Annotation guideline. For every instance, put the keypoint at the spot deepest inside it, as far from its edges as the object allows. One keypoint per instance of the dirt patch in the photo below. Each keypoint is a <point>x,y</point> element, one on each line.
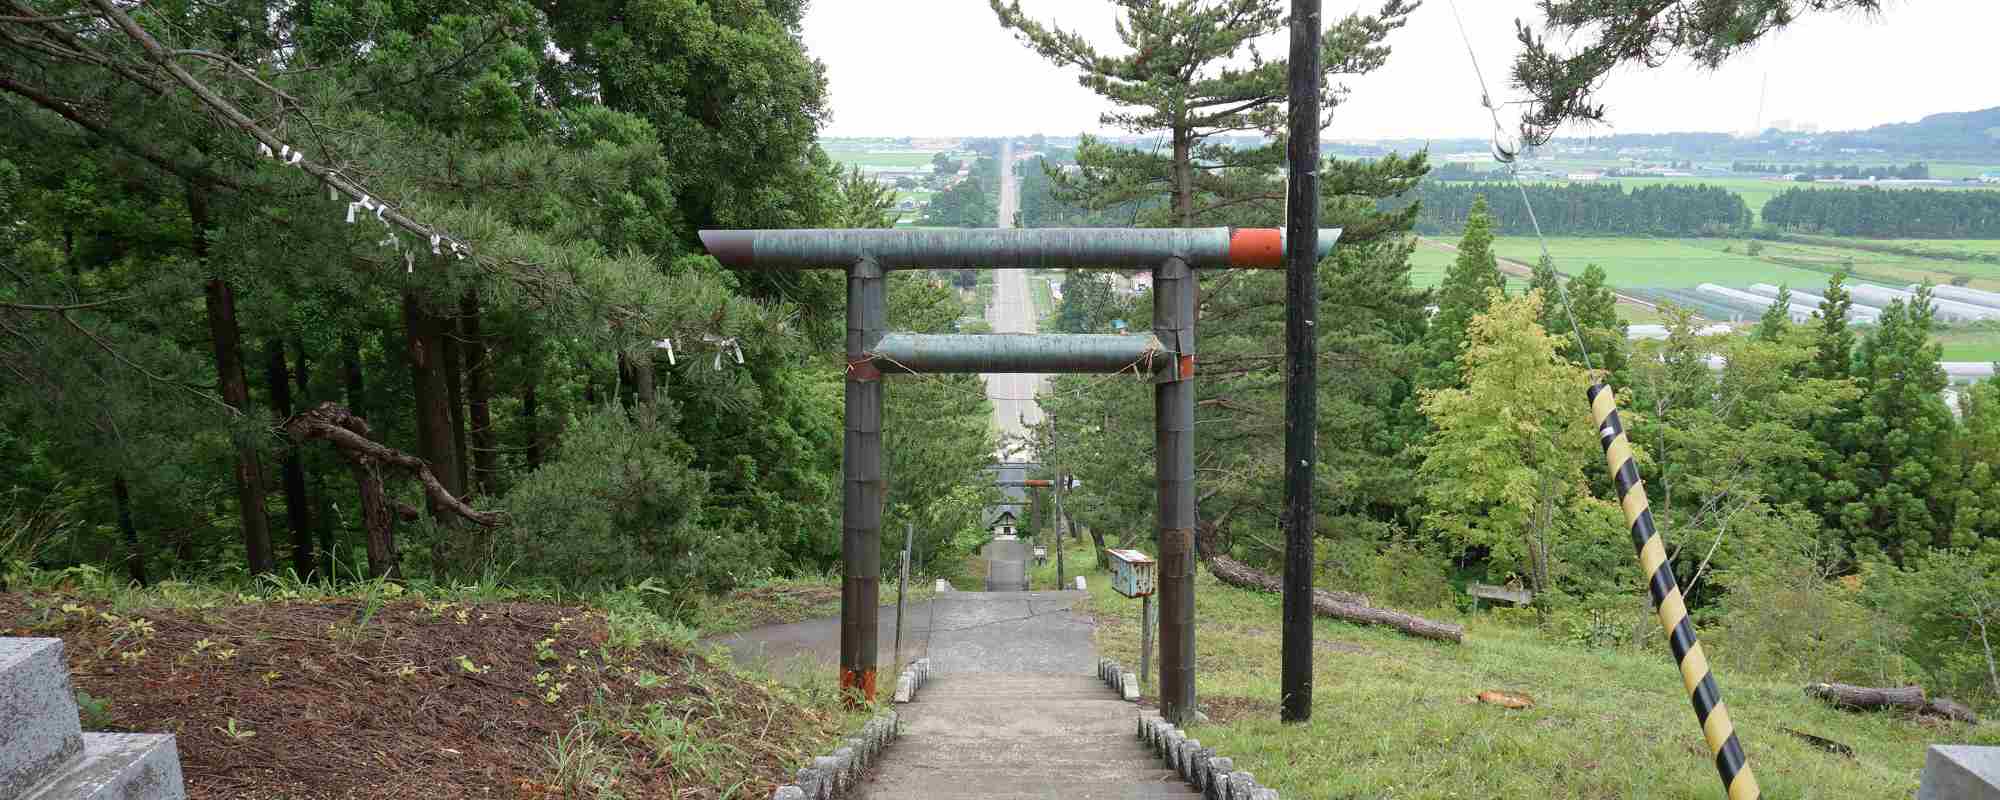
<point>1224,710</point>
<point>340,699</point>
<point>1340,647</point>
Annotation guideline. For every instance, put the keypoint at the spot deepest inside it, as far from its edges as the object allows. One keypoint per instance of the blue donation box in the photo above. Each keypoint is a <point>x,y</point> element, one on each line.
<point>1132,573</point>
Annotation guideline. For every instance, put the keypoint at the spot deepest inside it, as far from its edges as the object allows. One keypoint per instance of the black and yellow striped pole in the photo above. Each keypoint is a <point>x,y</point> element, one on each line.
<point>1666,592</point>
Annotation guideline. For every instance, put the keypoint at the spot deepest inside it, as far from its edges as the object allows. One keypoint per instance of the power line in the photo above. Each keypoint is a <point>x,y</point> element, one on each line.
<point>1510,159</point>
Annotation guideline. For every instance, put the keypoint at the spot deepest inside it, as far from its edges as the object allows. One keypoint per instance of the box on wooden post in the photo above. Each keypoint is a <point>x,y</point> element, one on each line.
<point>1133,574</point>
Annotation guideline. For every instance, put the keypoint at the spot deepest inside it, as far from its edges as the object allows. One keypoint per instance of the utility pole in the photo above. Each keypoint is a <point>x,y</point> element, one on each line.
<point>1301,411</point>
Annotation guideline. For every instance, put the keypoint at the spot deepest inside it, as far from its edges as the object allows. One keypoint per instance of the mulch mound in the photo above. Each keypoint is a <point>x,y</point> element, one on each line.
<point>332,700</point>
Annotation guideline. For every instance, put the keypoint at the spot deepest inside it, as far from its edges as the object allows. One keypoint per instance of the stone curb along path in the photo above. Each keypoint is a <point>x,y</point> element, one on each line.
<point>831,776</point>
<point>1215,776</point>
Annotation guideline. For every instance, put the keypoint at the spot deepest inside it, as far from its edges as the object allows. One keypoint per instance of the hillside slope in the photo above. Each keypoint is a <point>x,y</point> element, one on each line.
<point>376,697</point>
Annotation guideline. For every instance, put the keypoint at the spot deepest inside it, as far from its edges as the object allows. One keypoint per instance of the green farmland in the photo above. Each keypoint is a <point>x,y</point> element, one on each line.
<point>1682,263</point>
<point>866,158</point>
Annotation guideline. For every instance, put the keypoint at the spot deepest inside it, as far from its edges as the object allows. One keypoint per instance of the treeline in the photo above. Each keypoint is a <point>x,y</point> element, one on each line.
<point>1581,209</point>
<point>1917,170</point>
<point>1460,171</point>
<point>970,203</point>
<point>403,307</point>
<point>1042,208</point>
<point>1887,213</point>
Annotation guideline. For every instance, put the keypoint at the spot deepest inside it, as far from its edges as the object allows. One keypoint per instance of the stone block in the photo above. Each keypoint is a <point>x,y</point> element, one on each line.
<point>119,766</point>
<point>1262,793</point>
<point>39,733</point>
<point>788,792</point>
<point>1203,762</point>
<point>1219,769</point>
<point>1241,784</point>
<point>835,771</point>
<point>943,585</point>
<point>906,685</point>
<point>812,783</point>
<point>1170,747</point>
<point>1131,687</point>
<point>1960,772</point>
<point>1080,585</point>
<point>1184,763</point>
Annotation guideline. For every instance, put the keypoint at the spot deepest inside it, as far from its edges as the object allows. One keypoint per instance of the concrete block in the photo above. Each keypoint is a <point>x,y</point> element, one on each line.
<point>1204,761</point>
<point>1262,793</point>
<point>859,747</point>
<point>1170,746</point>
<point>788,792</point>
<point>1240,785</point>
<point>906,685</point>
<point>1217,787</point>
<point>812,783</point>
<point>1184,761</point>
<point>1080,585</point>
<point>1131,687</point>
<point>943,585</point>
<point>39,733</point>
<point>119,766</point>
<point>835,772</point>
<point>1960,772</point>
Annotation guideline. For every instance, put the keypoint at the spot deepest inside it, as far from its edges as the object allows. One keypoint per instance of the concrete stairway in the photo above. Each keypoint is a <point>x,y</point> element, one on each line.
<point>44,753</point>
<point>1020,736</point>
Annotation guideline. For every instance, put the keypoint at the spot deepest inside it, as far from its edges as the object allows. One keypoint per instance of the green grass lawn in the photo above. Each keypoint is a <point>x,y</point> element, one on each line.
<point>1393,715</point>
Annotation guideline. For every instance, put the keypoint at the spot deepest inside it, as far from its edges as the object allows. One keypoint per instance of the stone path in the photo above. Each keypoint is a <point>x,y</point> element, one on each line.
<point>1013,711</point>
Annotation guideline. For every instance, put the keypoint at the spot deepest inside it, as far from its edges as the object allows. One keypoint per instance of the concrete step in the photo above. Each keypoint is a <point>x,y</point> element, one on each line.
<point>118,766</point>
<point>1020,736</point>
<point>39,730</point>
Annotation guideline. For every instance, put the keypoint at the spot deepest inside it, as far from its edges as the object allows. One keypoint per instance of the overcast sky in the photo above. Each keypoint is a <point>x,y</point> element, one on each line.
<point>946,68</point>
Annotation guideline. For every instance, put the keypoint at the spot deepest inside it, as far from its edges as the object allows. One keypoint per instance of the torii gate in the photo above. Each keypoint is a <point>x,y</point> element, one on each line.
<point>1169,353</point>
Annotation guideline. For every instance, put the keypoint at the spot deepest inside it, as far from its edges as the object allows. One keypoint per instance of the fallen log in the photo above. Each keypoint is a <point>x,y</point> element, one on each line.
<point>1338,605</point>
<point>1950,709</point>
<point>1908,698</point>
<point>1865,698</point>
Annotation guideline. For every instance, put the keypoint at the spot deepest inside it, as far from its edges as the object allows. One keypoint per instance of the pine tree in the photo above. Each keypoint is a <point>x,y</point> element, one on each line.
<point>1896,454</point>
<point>1834,342</point>
<point>1184,76</point>
<point>1776,323</point>
<point>1467,290</point>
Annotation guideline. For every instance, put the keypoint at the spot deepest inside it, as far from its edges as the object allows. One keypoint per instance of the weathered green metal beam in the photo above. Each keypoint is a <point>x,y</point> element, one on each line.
<point>1020,248</point>
<point>1019,353</point>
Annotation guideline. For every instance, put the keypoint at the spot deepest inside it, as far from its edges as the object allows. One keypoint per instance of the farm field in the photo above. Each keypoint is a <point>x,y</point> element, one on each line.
<point>1956,170</point>
<point>1681,263</point>
<point>871,158</point>
<point>1943,247</point>
<point>1970,345</point>
<point>1895,269</point>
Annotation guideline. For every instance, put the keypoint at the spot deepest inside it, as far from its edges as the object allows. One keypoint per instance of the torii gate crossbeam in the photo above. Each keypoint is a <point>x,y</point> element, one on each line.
<point>1172,254</point>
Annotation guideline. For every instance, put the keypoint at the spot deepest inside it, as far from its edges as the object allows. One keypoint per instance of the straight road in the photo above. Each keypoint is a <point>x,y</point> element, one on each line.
<point>1014,407</point>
